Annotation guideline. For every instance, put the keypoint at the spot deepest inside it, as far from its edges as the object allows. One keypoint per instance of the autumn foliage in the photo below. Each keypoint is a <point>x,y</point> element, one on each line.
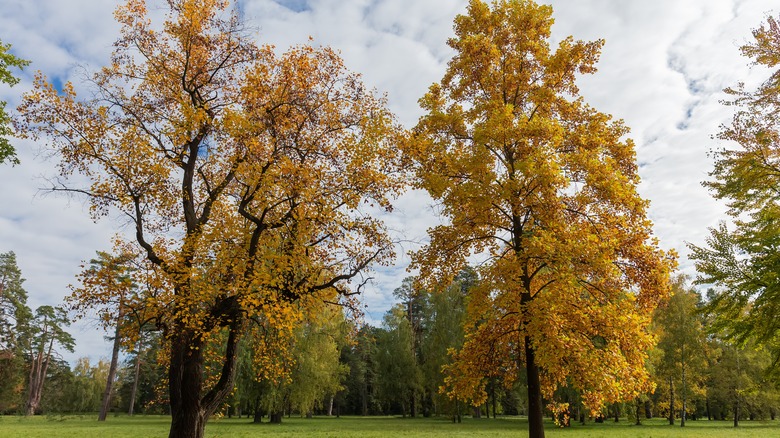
<point>242,174</point>
<point>542,187</point>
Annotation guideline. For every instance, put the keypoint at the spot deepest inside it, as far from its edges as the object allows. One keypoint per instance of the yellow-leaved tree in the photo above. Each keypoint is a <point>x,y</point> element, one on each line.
<point>243,175</point>
<point>542,187</point>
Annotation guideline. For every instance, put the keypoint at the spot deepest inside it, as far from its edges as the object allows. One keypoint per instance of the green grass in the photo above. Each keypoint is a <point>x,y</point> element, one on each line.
<point>369,427</point>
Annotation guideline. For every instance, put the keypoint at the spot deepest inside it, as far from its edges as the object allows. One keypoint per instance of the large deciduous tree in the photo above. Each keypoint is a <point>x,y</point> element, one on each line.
<point>544,188</point>
<point>244,175</point>
<point>742,263</point>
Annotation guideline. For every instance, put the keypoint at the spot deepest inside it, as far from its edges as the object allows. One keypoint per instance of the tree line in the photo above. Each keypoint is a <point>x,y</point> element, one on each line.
<point>399,367</point>
<point>248,179</point>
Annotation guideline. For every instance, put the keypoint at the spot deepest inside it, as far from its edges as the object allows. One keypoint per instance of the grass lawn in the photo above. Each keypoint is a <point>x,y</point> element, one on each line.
<point>368,427</point>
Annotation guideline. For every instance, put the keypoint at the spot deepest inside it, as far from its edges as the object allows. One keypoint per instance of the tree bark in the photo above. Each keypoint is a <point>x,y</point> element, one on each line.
<point>106,404</point>
<point>185,380</point>
<point>190,408</point>
<point>276,417</point>
<point>535,414</point>
<point>134,390</point>
<point>37,376</point>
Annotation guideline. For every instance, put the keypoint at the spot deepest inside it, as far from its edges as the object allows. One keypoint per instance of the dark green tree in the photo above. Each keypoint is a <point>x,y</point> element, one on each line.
<point>14,318</point>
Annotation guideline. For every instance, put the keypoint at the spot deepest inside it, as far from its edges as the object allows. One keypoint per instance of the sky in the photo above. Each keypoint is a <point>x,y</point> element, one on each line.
<point>662,70</point>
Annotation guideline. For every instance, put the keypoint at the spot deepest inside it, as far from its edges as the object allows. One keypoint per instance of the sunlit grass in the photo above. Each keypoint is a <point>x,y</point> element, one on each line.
<point>121,426</point>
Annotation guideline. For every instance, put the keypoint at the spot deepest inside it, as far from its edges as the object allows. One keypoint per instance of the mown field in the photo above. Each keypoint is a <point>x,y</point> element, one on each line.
<point>367,427</point>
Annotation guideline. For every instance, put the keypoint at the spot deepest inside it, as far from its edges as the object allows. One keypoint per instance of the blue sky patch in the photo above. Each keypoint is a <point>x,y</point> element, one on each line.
<point>295,5</point>
<point>57,82</point>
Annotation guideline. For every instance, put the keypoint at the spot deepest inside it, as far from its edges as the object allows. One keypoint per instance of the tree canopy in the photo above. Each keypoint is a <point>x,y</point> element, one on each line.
<point>544,187</point>
<point>243,174</point>
<point>742,262</point>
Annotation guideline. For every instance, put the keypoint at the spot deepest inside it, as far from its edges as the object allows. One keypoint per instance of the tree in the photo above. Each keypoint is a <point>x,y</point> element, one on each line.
<point>363,381</point>
<point>682,343</point>
<point>544,187</point>
<point>244,176</point>
<point>742,263</point>
<point>318,372</point>
<point>399,374</point>
<point>7,151</point>
<point>739,386</point>
<point>14,318</point>
<point>444,321</point>
<point>107,277</point>
<point>46,330</point>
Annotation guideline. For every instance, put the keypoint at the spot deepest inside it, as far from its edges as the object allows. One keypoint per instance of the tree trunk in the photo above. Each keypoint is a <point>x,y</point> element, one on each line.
<point>671,401</point>
<point>276,417</point>
<point>330,406</point>
<point>736,413</point>
<point>616,412</point>
<point>638,412</point>
<point>682,416</point>
<point>258,417</point>
<point>134,390</point>
<point>106,404</point>
<point>707,406</point>
<point>493,393</point>
<point>535,414</point>
<point>190,408</point>
<point>37,376</point>
<point>364,396</point>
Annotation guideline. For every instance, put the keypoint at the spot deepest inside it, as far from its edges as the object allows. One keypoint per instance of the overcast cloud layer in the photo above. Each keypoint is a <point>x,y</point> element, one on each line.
<point>662,70</point>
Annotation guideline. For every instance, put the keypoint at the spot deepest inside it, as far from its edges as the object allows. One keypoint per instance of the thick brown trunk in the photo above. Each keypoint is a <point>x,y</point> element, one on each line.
<point>185,381</point>
<point>190,408</point>
<point>535,414</point>
<point>106,404</point>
